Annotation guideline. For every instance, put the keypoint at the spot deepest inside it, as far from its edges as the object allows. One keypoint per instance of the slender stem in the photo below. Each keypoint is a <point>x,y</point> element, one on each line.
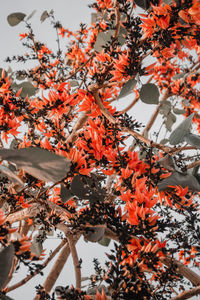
<point>155,114</point>
<point>79,124</point>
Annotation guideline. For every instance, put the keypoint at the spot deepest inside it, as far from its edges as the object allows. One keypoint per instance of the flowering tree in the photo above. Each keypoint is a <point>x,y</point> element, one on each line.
<point>85,168</point>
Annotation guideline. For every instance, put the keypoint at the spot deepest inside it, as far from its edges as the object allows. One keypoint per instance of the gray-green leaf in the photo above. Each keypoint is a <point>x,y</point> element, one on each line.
<point>167,162</point>
<point>149,93</point>
<point>192,139</point>
<point>65,194</point>
<point>127,88</point>
<point>177,136</point>
<point>40,163</point>
<point>169,121</point>
<point>177,178</point>
<point>15,18</point>
<point>6,259</point>
<point>27,88</point>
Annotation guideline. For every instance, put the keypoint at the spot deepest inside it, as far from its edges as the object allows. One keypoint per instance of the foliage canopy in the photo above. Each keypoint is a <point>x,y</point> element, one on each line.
<point>83,167</point>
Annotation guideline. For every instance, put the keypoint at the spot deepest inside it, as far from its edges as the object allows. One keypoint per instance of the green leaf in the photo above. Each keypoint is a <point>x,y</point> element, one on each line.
<point>167,162</point>
<point>177,178</point>
<point>6,260</point>
<point>85,278</point>
<point>102,39</point>
<point>192,139</point>
<point>145,4</point>
<point>149,93</point>
<point>104,242</point>
<point>169,121</point>
<point>106,36</point>
<point>164,141</point>
<point>177,136</point>
<point>40,163</point>
<point>165,108</point>
<point>93,290</point>
<point>127,88</point>
<point>15,18</point>
<point>178,111</point>
<point>74,83</point>
<point>94,234</point>
<point>178,76</point>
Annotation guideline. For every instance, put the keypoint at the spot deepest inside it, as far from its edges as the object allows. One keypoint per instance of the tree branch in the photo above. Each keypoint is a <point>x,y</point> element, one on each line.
<point>32,211</point>
<point>75,260</point>
<point>29,277</point>
<point>188,294</point>
<point>168,261</point>
<point>57,267</point>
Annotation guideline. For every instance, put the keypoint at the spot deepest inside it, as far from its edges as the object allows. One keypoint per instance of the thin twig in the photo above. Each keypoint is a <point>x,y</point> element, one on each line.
<point>79,124</point>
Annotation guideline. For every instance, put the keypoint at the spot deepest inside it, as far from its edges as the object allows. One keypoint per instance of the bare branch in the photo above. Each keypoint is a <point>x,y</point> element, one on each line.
<point>75,260</point>
<point>29,277</point>
<point>188,294</point>
<point>58,266</point>
<point>32,211</point>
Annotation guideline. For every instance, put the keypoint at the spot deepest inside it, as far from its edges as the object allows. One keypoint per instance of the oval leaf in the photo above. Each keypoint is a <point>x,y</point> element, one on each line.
<point>178,111</point>
<point>127,88</point>
<point>40,163</point>
<point>177,136</point>
<point>169,121</point>
<point>192,139</point>
<point>15,18</point>
<point>6,259</point>
<point>149,93</point>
